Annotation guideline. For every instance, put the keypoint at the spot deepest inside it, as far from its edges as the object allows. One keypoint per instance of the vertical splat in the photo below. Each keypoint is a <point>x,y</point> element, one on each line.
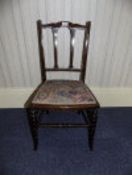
<point>55,43</point>
<point>72,42</point>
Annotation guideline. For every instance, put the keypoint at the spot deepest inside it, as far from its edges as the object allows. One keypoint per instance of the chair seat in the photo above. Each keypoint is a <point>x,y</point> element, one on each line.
<point>63,92</point>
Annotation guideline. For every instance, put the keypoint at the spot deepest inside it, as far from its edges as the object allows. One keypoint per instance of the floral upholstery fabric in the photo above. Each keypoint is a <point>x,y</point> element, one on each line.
<point>63,92</point>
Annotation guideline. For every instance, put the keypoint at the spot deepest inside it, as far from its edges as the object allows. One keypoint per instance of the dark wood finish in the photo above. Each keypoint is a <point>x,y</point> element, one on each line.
<point>63,125</point>
<point>63,69</point>
<point>88,111</point>
<point>33,123</point>
<point>92,116</point>
<point>72,41</point>
<point>72,29</point>
<point>85,51</point>
<point>64,24</point>
<point>65,107</point>
<point>41,51</point>
<point>55,42</point>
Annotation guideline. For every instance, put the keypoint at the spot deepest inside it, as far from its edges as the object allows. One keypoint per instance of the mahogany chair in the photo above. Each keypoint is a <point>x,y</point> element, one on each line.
<point>63,94</point>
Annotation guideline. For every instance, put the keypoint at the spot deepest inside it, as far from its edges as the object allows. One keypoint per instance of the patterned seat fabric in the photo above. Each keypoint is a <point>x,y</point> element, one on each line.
<point>63,92</point>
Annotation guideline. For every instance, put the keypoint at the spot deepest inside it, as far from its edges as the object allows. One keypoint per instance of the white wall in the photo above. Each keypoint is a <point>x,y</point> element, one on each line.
<point>110,57</point>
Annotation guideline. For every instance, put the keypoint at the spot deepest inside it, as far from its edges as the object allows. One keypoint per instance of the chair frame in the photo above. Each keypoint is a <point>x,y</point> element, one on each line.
<point>88,111</point>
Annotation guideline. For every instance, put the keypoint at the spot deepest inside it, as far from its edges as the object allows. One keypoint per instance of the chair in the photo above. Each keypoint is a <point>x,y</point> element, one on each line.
<point>52,95</point>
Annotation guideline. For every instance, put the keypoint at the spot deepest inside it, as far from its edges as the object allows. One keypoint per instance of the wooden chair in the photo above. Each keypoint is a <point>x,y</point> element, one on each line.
<point>63,94</point>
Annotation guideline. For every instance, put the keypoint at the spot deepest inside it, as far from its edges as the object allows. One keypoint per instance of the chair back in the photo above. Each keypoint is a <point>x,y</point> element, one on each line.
<point>72,27</point>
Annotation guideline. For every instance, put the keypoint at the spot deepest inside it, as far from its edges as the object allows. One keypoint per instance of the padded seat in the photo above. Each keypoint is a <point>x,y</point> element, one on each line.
<point>64,92</point>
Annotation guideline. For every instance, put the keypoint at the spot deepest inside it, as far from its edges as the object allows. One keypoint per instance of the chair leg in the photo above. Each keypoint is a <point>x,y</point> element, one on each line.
<point>33,123</point>
<point>92,116</point>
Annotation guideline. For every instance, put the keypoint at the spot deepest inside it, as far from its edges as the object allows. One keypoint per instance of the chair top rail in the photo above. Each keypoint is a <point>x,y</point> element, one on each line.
<point>65,24</point>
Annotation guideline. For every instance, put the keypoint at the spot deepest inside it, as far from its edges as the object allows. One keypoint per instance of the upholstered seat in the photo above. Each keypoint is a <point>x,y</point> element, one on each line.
<point>64,92</point>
